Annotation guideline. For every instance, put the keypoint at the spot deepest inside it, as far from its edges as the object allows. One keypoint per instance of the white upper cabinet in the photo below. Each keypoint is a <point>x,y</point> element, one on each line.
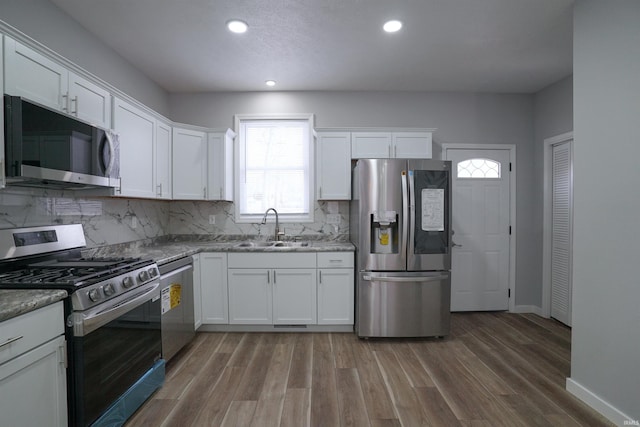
<point>34,76</point>
<point>412,145</point>
<point>163,160</point>
<point>220,166</point>
<point>333,166</point>
<point>136,133</point>
<point>38,78</point>
<point>371,145</point>
<point>189,164</point>
<point>89,102</point>
<point>391,145</point>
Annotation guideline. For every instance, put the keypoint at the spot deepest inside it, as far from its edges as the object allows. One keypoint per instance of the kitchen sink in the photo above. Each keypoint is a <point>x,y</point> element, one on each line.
<point>290,244</point>
<point>273,244</point>
<point>255,244</point>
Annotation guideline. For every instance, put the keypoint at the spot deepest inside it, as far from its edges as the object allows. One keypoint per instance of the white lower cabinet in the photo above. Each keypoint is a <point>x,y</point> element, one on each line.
<point>279,288</point>
<point>335,288</point>
<point>335,296</point>
<point>213,282</point>
<point>33,385</point>
<point>250,298</point>
<point>267,288</point>
<point>294,296</point>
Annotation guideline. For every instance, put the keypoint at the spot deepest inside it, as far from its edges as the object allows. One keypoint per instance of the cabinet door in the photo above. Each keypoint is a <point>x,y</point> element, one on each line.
<point>34,76</point>
<point>333,166</point>
<point>189,164</point>
<point>136,131</point>
<point>250,300</point>
<point>33,387</point>
<point>197,293</point>
<point>335,296</point>
<point>370,145</point>
<point>294,297</point>
<point>213,274</point>
<point>412,145</point>
<point>89,102</point>
<point>163,161</point>
<point>220,166</point>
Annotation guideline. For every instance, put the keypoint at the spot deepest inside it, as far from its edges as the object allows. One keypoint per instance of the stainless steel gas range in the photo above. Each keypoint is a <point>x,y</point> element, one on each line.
<point>112,317</point>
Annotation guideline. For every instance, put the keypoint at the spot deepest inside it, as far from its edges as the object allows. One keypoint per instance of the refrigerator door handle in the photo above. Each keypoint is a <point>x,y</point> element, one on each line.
<point>405,216</point>
<point>406,279</point>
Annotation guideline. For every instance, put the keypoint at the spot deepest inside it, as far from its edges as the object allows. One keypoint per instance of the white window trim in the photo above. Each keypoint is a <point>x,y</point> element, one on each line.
<point>284,218</point>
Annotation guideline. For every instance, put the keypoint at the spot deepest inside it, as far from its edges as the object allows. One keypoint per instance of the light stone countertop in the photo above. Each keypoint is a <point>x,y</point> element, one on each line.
<point>165,252</point>
<point>16,302</point>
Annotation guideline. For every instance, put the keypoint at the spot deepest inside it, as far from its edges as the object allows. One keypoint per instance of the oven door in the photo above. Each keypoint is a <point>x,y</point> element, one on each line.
<point>113,347</point>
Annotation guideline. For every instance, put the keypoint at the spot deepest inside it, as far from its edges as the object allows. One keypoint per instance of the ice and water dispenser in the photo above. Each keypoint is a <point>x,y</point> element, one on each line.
<point>384,232</point>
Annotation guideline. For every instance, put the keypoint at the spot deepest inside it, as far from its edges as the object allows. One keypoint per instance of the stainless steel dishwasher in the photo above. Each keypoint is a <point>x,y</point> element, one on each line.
<point>176,289</point>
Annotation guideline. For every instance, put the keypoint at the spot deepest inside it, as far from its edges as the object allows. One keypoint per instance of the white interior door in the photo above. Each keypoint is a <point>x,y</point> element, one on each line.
<point>561,228</point>
<point>480,221</point>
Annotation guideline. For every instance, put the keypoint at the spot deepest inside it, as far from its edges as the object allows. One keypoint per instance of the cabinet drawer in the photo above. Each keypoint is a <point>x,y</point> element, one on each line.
<point>272,260</point>
<point>30,330</point>
<point>335,259</point>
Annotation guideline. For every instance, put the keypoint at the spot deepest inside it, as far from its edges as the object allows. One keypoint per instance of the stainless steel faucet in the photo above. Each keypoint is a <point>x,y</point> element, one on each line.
<point>276,232</point>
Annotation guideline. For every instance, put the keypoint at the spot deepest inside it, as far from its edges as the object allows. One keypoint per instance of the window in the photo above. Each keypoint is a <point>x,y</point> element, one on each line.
<point>479,168</point>
<point>274,167</point>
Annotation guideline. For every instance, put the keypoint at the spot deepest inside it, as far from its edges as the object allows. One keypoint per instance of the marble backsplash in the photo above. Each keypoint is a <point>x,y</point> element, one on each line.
<point>111,220</point>
<point>106,220</point>
<point>192,217</point>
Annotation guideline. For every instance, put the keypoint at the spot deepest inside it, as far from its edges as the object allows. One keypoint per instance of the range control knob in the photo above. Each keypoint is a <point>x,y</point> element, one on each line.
<point>143,276</point>
<point>108,289</point>
<point>94,295</point>
<point>153,272</point>
<point>127,282</point>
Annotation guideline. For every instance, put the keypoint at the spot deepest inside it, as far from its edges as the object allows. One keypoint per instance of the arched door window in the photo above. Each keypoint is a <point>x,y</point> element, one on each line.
<point>479,168</point>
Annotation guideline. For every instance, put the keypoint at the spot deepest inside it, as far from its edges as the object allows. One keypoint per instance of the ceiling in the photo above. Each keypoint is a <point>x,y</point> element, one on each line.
<point>506,46</point>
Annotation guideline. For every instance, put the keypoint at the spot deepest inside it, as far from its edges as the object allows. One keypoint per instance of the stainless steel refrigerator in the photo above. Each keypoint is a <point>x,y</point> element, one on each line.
<point>400,223</point>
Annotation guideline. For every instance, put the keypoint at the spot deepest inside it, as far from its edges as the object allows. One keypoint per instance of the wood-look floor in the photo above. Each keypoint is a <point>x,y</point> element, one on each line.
<point>495,369</point>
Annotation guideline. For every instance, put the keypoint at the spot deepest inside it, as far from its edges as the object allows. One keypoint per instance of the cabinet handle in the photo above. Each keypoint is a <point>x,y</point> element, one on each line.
<point>320,273</point>
<point>320,193</point>
<point>159,189</point>
<point>389,151</point>
<point>395,151</point>
<point>204,192</point>
<point>220,193</point>
<point>75,99</point>
<point>268,280</point>
<point>274,277</point>
<point>10,340</point>
<point>65,102</point>
<point>63,355</point>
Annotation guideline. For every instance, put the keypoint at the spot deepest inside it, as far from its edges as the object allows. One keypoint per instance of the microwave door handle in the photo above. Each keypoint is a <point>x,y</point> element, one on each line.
<point>109,139</point>
<point>405,216</point>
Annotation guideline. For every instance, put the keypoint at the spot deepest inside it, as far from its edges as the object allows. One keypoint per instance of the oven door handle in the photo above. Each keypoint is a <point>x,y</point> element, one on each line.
<point>87,322</point>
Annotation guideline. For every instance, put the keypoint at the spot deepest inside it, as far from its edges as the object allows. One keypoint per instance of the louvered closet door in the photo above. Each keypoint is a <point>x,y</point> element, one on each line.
<point>561,239</point>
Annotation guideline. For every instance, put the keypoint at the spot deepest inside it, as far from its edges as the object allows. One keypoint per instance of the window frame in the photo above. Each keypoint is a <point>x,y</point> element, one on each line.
<point>283,217</point>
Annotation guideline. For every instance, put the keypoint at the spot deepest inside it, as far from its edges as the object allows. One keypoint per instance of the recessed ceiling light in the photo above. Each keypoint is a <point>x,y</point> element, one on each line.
<point>270,83</point>
<point>392,26</point>
<point>237,26</point>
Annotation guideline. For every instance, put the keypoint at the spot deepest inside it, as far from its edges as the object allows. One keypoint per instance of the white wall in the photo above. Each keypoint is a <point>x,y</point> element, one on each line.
<point>44,22</point>
<point>459,118</point>
<point>605,350</point>
<point>552,116</point>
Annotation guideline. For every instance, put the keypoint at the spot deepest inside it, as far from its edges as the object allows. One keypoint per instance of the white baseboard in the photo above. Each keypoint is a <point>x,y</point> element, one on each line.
<point>528,309</point>
<point>609,411</point>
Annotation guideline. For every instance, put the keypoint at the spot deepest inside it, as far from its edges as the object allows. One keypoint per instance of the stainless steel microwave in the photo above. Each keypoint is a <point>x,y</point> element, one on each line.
<point>46,148</point>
